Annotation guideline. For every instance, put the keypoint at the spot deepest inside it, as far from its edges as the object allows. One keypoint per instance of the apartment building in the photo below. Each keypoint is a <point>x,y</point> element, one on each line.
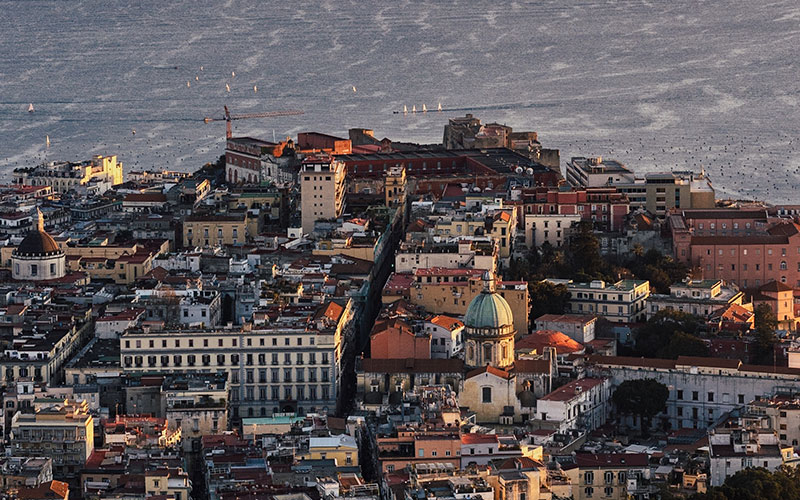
<point>620,302</point>
<point>286,368</point>
<point>579,328</point>
<point>195,406</point>
<point>616,476</point>
<point>500,224</point>
<point>698,297</point>
<point>470,252</point>
<point>733,448</point>
<point>553,229</point>
<point>322,188</point>
<point>63,432</point>
<point>605,207</point>
<point>215,230</point>
<point>581,404</point>
<point>63,176</point>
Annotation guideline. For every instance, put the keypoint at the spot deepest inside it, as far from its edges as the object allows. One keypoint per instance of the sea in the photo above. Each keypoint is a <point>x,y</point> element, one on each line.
<point>685,84</point>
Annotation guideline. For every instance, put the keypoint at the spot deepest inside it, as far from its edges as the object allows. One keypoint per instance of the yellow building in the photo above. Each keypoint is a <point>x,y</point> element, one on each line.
<point>450,291</point>
<point>215,230</point>
<point>616,476</point>
<point>395,186</point>
<point>63,176</point>
<point>342,448</point>
<point>64,432</point>
<point>321,190</point>
<point>500,225</point>
<point>168,482</point>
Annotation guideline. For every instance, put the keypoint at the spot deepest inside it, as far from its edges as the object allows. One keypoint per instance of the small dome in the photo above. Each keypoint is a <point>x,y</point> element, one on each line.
<point>488,310</point>
<point>37,243</point>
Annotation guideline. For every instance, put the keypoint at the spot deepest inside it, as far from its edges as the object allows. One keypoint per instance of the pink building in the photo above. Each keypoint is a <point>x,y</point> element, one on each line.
<point>606,208</point>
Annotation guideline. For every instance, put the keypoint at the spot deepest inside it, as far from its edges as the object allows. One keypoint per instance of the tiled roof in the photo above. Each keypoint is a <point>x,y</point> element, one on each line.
<point>497,372</point>
<point>540,339</point>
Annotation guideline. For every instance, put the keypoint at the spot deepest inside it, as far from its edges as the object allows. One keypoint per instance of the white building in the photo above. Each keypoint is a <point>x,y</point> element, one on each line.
<point>581,404</point>
<point>445,335</point>
<point>698,297</point>
<point>620,302</point>
<point>472,252</point>
<point>38,257</point>
<point>548,228</point>
<point>734,449</point>
<point>111,326</point>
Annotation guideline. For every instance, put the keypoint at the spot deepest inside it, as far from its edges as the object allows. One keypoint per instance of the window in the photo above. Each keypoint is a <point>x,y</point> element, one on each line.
<point>588,477</point>
<point>680,393</point>
<point>486,395</point>
<point>710,397</point>
<point>695,395</point>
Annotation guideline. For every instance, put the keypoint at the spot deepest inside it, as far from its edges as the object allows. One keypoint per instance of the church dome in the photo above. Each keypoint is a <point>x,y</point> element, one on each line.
<point>37,243</point>
<point>488,310</point>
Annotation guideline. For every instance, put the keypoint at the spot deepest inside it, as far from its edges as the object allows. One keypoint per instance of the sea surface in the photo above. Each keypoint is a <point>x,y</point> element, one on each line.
<point>658,85</point>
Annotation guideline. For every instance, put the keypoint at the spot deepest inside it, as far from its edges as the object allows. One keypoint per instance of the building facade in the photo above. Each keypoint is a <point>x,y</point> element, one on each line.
<point>322,188</point>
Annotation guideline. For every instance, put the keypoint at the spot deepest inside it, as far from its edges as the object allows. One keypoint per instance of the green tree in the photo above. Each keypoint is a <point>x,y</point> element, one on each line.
<point>765,325</point>
<point>584,251</point>
<point>644,397</point>
<point>547,298</point>
<point>653,338</point>
<point>757,484</point>
<point>683,344</point>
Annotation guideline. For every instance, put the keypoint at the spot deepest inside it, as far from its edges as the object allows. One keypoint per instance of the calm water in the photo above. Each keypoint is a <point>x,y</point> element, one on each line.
<point>657,85</point>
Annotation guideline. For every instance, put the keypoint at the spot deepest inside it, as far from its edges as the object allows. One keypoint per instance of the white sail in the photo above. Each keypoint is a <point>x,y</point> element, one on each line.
<point>47,140</point>
<point>405,109</point>
<point>255,88</point>
<point>440,106</point>
<point>414,108</point>
<point>227,87</point>
<point>30,108</point>
<point>188,84</point>
<point>233,74</point>
<point>354,88</point>
<point>424,108</point>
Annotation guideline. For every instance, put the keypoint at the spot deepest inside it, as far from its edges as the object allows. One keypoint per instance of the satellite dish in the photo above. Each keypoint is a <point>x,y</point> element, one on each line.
<point>518,170</point>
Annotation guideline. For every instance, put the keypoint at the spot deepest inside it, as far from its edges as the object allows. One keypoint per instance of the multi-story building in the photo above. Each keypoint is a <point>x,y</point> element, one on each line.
<point>215,230</point>
<point>63,176</point>
<point>411,445</point>
<point>322,183</point>
<point>450,291</point>
<point>64,432</point>
<point>605,207</point>
<point>620,302</point>
<point>732,448</point>
<point>195,406</point>
<point>252,161</point>
<point>617,476</point>
<point>698,297</point>
<point>738,246</point>
<point>291,368</point>
<point>470,252</point>
<point>581,404</point>
<point>169,483</point>
<point>394,186</point>
<point>501,225</point>
<point>595,172</point>
<point>783,414</point>
<point>656,192</point>
<point>446,338</point>
<point>701,390</point>
<point>551,229</point>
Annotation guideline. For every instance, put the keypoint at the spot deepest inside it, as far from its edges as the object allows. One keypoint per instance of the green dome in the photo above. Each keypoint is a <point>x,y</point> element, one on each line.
<point>488,310</point>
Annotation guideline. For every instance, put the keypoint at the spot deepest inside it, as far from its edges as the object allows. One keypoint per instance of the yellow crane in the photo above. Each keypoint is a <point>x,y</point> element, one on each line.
<point>228,118</point>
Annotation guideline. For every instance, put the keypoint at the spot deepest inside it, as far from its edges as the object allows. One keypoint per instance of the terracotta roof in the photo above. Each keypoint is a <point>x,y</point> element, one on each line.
<point>446,322</point>
<point>472,438</point>
<point>540,339</point>
<point>331,310</point>
<point>571,390</point>
<point>775,286</point>
<point>412,365</point>
<point>497,372</point>
<point>50,489</point>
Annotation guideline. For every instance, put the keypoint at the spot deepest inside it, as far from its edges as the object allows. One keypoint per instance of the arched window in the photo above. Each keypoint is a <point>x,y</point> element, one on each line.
<point>783,265</point>
<point>487,352</point>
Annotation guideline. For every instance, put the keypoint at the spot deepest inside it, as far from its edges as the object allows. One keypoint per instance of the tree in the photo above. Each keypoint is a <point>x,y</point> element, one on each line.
<point>584,251</point>
<point>765,325</point>
<point>683,344</point>
<point>757,484</point>
<point>547,298</point>
<point>653,338</point>
<point>644,397</point>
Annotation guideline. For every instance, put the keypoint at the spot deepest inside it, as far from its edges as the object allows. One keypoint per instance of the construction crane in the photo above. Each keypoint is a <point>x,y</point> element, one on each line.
<point>229,117</point>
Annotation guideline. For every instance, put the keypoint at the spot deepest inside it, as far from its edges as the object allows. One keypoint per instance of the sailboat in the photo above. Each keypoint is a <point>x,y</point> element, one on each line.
<point>30,108</point>
<point>424,108</point>
<point>255,88</point>
<point>188,84</point>
<point>47,140</point>
<point>440,107</point>
<point>414,108</point>
<point>227,87</point>
<point>405,109</point>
